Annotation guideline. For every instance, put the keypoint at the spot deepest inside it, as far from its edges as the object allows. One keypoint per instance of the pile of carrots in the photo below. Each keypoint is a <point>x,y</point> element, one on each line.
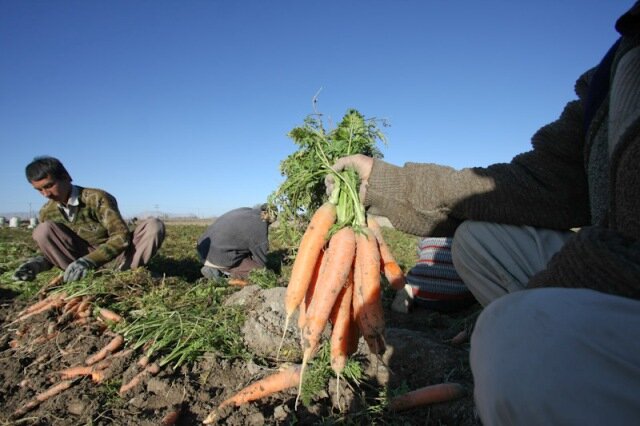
<point>77,311</point>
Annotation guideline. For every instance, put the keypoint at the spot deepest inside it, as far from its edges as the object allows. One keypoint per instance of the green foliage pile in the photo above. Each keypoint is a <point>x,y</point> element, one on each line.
<point>303,190</point>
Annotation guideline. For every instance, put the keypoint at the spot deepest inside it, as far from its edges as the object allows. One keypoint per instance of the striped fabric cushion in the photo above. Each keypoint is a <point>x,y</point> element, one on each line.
<point>434,280</point>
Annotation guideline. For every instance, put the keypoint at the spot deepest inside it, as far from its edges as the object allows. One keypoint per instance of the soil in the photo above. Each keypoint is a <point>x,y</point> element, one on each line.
<point>419,353</point>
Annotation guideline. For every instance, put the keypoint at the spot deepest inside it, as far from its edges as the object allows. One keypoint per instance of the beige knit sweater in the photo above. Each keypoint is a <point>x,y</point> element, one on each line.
<point>570,178</point>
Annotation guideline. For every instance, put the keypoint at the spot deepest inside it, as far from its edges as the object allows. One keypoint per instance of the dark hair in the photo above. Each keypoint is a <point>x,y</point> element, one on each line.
<point>44,166</point>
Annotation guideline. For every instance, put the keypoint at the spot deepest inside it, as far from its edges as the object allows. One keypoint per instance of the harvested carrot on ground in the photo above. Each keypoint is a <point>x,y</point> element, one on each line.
<point>109,315</point>
<point>52,302</point>
<point>276,382</point>
<point>333,276</point>
<point>84,370</point>
<point>43,396</point>
<point>114,345</point>
<point>304,265</point>
<point>151,369</point>
<point>427,395</point>
<point>390,267</point>
<point>367,294</point>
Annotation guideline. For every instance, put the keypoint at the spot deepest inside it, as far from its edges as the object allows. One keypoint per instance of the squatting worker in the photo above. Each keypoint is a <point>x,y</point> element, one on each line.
<point>236,243</point>
<point>81,228</point>
<point>558,342</point>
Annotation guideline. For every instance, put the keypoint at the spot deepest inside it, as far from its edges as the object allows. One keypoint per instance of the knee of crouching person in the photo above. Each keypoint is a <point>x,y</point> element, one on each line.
<point>42,231</point>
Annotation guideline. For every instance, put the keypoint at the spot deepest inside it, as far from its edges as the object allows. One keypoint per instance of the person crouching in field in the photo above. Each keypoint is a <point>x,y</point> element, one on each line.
<point>81,228</point>
<point>236,243</point>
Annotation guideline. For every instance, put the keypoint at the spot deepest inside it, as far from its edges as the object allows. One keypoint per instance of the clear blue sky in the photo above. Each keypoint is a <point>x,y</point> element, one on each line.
<point>185,106</point>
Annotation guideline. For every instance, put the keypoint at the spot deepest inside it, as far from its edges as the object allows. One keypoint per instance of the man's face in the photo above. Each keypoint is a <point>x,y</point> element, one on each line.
<point>54,189</point>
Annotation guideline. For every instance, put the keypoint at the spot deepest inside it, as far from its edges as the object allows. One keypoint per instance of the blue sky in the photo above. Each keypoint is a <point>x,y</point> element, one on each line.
<point>184,106</point>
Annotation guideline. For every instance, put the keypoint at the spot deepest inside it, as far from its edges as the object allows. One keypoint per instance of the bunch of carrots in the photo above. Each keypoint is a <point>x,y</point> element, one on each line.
<point>335,280</point>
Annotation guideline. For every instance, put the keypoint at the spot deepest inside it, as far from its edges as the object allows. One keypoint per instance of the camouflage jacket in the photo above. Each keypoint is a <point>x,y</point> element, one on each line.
<point>97,221</point>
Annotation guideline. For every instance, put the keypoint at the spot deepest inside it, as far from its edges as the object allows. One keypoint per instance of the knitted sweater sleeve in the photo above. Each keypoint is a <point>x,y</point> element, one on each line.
<point>544,187</point>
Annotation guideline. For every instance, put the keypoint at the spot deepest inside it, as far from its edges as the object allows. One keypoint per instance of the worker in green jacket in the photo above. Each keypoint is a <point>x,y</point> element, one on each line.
<point>81,229</point>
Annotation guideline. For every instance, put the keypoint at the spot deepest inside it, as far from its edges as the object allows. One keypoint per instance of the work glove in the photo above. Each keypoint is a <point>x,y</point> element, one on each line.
<point>32,267</point>
<point>78,269</point>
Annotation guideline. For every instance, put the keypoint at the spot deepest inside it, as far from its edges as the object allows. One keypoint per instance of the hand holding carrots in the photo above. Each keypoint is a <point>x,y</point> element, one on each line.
<point>358,162</point>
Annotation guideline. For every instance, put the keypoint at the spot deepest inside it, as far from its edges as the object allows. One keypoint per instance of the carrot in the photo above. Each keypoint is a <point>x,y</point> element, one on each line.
<point>84,304</point>
<point>143,361</point>
<point>340,333</point>
<point>309,249</point>
<point>84,370</point>
<point>310,290</point>
<point>53,301</point>
<point>341,328</point>
<point>460,338</point>
<point>367,298</point>
<point>109,315</point>
<point>71,303</point>
<point>43,396</point>
<point>427,395</point>
<point>171,417</point>
<point>36,305</point>
<point>115,344</point>
<point>151,369</point>
<point>276,382</point>
<point>390,267</point>
<point>237,282</point>
<point>333,276</point>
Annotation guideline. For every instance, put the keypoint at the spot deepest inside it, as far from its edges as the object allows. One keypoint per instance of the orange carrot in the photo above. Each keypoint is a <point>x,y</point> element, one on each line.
<point>309,249</point>
<point>237,282</point>
<point>71,303</point>
<point>333,276</point>
<point>114,345</point>
<point>53,301</point>
<point>310,290</point>
<point>341,320</point>
<point>427,395</point>
<point>151,369</point>
<point>109,315</point>
<point>84,370</point>
<point>264,387</point>
<point>171,417</point>
<point>43,396</point>
<point>390,267</point>
<point>312,242</point>
<point>367,297</point>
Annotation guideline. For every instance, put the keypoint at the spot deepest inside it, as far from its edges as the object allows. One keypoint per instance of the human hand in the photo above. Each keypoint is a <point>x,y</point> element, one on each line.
<point>32,267</point>
<point>78,269</point>
<point>25,272</point>
<point>358,162</point>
